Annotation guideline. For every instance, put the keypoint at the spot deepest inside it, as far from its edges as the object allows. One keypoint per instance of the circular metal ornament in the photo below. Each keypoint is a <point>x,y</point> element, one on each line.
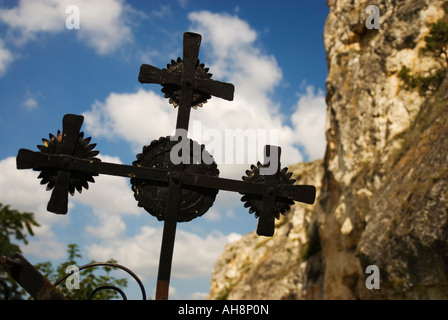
<point>83,150</point>
<point>153,196</point>
<point>172,91</point>
<point>255,202</point>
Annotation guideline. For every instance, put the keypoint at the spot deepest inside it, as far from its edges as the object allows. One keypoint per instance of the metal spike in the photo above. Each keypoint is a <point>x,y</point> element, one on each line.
<point>71,189</point>
<point>87,140</point>
<point>93,153</point>
<point>50,185</point>
<point>90,147</point>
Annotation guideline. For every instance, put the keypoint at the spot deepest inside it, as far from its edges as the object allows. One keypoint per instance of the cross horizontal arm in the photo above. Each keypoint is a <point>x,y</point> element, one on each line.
<point>216,88</point>
<point>27,159</point>
<point>301,193</point>
<point>151,74</point>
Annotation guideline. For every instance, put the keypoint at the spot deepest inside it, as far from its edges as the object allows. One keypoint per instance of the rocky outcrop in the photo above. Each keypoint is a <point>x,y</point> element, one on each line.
<point>383,184</point>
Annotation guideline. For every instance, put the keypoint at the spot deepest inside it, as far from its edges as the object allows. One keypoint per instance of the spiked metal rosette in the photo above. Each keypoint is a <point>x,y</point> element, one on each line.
<point>172,91</point>
<point>254,202</point>
<point>83,150</point>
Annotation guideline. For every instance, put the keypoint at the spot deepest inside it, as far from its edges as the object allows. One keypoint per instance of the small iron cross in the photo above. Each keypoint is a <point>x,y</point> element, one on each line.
<point>171,192</point>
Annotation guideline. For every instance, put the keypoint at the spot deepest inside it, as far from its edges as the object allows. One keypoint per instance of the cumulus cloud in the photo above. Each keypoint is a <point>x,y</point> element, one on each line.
<point>104,24</point>
<point>109,194</point>
<point>309,122</point>
<point>109,197</point>
<point>229,45</point>
<point>30,103</point>
<point>194,256</point>
<point>134,117</point>
<point>20,189</point>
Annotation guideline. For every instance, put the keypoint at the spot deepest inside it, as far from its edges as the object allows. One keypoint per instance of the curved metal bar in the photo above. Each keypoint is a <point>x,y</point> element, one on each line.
<point>106,264</point>
<point>108,287</point>
<point>5,285</point>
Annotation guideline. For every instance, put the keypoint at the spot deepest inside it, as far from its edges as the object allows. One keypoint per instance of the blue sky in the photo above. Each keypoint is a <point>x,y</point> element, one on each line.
<point>271,51</point>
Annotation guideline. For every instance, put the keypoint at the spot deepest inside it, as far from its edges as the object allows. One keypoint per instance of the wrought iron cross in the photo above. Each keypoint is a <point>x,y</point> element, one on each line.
<point>171,192</point>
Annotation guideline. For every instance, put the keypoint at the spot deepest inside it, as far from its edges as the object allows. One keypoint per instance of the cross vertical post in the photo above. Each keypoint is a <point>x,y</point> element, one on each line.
<point>71,125</point>
<point>191,43</point>
<point>266,220</point>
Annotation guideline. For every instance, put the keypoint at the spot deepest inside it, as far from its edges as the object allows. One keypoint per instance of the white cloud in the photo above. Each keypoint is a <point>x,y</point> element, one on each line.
<point>109,226</point>
<point>309,122</point>
<point>109,197</point>
<point>20,189</point>
<point>30,103</point>
<point>109,194</point>
<point>230,43</point>
<point>135,117</point>
<point>6,58</point>
<point>104,24</point>
<point>194,256</point>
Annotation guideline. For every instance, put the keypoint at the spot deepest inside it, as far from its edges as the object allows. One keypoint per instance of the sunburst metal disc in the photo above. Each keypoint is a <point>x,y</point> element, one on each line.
<point>153,197</point>
<point>255,202</point>
<point>83,150</point>
<point>172,91</point>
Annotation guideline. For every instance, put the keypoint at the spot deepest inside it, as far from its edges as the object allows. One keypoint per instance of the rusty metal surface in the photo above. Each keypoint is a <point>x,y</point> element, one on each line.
<point>30,279</point>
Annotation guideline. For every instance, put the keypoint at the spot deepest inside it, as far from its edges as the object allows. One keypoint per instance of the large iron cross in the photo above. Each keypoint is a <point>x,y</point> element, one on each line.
<point>171,192</point>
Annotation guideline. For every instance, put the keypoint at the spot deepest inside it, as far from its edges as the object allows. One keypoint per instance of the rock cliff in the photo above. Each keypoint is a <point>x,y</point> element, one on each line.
<point>383,183</point>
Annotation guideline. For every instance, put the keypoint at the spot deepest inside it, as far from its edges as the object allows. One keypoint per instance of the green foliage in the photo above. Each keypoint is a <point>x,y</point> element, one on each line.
<point>437,40</point>
<point>89,279</point>
<point>13,224</point>
<point>436,46</point>
<point>424,84</point>
<point>16,224</point>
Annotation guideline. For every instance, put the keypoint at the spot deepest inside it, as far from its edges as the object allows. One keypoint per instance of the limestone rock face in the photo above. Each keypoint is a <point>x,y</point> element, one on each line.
<point>383,184</point>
